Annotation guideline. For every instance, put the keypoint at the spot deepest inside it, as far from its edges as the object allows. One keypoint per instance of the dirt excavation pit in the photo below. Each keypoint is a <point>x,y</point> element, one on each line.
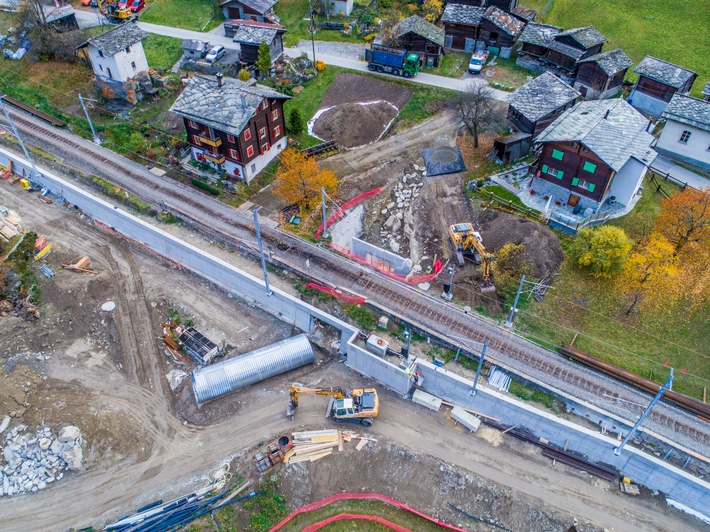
<point>357,110</point>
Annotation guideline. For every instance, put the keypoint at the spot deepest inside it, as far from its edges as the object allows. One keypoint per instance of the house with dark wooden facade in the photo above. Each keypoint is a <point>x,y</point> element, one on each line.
<point>658,82</point>
<point>418,35</point>
<point>499,31</point>
<point>504,5</point>
<point>596,152</point>
<point>535,105</point>
<point>461,24</point>
<point>234,127</point>
<point>256,10</point>
<point>686,135</point>
<point>250,35</point>
<point>601,75</point>
<point>569,47</point>
<point>536,39</point>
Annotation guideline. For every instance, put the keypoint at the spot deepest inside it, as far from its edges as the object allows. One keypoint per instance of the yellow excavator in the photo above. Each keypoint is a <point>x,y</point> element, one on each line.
<point>355,406</point>
<point>467,241</point>
<point>115,12</point>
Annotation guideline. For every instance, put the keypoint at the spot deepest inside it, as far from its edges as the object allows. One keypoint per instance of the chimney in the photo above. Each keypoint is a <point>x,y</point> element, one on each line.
<point>219,79</point>
<point>244,102</point>
<point>606,115</point>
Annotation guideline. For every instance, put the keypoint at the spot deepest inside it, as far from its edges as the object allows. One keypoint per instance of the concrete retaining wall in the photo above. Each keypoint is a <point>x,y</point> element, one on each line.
<point>378,368</point>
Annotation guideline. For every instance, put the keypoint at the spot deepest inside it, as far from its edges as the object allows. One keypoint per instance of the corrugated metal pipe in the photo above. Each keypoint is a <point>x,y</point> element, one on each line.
<point>222,378</point>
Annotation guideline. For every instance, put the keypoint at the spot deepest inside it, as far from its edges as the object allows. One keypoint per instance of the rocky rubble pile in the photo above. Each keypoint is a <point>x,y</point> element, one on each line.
<point>405,192</point>
<point>33,461</point>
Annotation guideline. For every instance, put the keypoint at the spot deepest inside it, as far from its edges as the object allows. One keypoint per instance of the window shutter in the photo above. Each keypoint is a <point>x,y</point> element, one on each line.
<point>591,187</point>
<point>575,181</point>
<point>560,174</point>
<point>545,168</point>
<point>589,167</point>
<point>557,154</point>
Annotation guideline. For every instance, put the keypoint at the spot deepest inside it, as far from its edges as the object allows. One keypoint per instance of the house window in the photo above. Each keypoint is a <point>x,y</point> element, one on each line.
<point>585,149</point>
<point>253,168</point>
<point>265,147</point>
<point>560,174</point>
<point>277,131</point>
<point>557,154</point>
<point>575,181</point>
<point>262,132</point>
<point>128,49</point>
<point>230,139</point>
<point>575,145</point>
<point>233,154</point>
<point>591,187</point>
<point>684,137</point>
<point>133,64</point>
<point>275,114</point>
<point>109,73</point>
<point>191,124</point>
<point>101,54</point>
<point>589,167</point>
<point>250,151</point>
<point>101,67</point>
<point>545,168</point>
<point>247,134</point>
<point>196,140</point>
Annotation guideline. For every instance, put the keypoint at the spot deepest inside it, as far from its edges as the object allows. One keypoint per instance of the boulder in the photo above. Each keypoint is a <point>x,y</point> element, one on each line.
<point>390,222</point>
<point>73,457</point>
<point>69,434</point>
<point>44,443</point>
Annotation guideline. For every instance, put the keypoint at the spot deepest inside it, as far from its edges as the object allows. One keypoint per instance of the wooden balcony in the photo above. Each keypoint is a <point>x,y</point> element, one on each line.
<point>215,142</point>
<point>217,159</point>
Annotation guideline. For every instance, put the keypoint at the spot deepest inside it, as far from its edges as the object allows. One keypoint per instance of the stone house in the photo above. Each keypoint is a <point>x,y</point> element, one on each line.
<point>250,35</point>
<point>658,82</point>
<point>686,135</point>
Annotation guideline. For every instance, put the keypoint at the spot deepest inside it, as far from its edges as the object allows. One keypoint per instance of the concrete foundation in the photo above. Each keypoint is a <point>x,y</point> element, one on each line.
<point>426,399</point>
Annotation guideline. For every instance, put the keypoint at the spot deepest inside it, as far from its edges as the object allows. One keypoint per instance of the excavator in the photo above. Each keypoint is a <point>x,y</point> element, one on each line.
<point>353,406</point>
<point>467,241</point>
<point>115,12</point>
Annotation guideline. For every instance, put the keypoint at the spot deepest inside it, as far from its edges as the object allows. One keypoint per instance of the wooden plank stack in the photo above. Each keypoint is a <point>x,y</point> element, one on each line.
<point>313,445</point>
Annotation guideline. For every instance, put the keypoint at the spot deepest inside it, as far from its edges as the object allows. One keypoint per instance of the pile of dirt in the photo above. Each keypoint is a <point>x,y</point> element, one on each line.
<point>352,125</point>
<point>352,88</point>
<point>541,245</point>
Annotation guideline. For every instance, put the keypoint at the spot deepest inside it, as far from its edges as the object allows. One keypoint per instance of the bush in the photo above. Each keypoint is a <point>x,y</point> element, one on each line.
<point>244,75</point>
<point>601,250</point>
<point>205,186</point>
<point>370,38</point>
<point>364,317</point>
<point>320,65</point>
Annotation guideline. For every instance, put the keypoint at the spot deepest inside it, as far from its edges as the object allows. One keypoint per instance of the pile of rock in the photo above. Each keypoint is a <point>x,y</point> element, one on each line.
<point>33,461</point>
<point>405,192</point>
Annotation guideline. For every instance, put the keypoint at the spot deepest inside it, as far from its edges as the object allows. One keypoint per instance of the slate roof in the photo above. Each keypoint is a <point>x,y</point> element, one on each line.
<point>260,6</point>
<point>539,34</point>
<point>462,14</point>
<point>565,49</point>
<point>688,110</point>
<point>119,38</point>
<point>194,45</point>
<point>611,62</point>
<point>542,96</point>
<point>60,13</point>
<point>221,107</point>
<point>614,137</point>
<point>587,36</point>
<point>256,33</point>
<point>421,27</point>
<point>505,21</point>
<point>663,72</point>
<point>706,89</point>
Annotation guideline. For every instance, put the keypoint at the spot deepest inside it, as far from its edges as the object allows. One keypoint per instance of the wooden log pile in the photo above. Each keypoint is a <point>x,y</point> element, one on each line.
<point>313,445</point>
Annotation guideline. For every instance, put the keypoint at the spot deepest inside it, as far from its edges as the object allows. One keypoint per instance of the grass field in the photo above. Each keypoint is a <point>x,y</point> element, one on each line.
<point>673,31</point>
<point>293,15</point>
<point>198,15</point>
<point>162,52</point>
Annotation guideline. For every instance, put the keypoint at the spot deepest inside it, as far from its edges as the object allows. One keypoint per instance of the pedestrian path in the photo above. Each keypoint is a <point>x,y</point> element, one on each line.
<point>664,165</point>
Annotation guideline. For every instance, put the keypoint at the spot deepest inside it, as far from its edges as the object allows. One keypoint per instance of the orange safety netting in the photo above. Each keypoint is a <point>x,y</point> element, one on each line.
<point>343,297</point>
<point>337,215</point>
<point>384,269</point>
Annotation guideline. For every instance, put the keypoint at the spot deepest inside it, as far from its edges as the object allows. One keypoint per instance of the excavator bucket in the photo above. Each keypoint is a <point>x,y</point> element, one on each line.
<point>488,289</point>
<point>330,407</point>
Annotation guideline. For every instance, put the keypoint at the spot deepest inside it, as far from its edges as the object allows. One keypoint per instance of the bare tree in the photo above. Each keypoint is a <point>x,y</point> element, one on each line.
<point>477,111</point>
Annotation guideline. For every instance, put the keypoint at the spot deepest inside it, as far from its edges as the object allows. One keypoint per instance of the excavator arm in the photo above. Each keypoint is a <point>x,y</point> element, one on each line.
<point>295,391</point>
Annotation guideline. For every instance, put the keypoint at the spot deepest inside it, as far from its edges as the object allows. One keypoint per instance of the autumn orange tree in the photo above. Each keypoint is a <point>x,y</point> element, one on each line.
<point>299,179</point>
<point>685,218</point>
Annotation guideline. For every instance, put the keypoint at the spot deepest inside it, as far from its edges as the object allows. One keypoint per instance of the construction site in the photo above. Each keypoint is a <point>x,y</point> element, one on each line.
<point>179,371</point>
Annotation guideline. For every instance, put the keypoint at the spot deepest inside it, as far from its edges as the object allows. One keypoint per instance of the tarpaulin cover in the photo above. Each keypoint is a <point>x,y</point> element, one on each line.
<point>337,215</point>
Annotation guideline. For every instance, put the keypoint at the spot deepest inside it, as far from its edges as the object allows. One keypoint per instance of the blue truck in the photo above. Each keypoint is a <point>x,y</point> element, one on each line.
<point>392,61</point>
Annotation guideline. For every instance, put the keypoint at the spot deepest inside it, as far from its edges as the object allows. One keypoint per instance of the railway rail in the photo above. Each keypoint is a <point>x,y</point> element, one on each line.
<point>509,351</point>
<point>36,112</point>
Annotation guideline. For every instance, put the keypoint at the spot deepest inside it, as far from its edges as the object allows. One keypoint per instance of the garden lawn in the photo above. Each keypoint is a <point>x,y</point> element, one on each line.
<point>293,14</point>
<point>197,15</point>
<point>589,307</point>
<point>452,65</point>
<point>162,52</point>
<point>673,31</point>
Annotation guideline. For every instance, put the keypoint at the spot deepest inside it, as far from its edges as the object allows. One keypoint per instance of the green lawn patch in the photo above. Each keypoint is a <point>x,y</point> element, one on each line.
<point>672,31</point>
<point>505,194</point>
<point>162,52</point>
<point>197,15</point>
<point>294,16</point>
<point>506,75</point>
<point>452,65</point>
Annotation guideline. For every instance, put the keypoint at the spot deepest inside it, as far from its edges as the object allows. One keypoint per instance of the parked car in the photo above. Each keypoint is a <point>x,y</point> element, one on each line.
<point>215,53</point>
<point>137,5</point>
<point>478,59</point>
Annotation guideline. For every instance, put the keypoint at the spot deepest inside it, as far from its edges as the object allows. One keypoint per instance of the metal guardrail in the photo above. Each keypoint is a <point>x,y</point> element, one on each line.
<point>331,145</point>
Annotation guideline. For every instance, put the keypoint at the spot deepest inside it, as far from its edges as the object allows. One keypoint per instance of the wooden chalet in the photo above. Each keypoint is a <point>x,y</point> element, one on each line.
<point>232,126</point>
<point>250,35</point>
<point>416,34</point>
<point>255,10</point>
<point>536,39</point>
<point>569,47</point>
<point>601,75</point>
<point>535,105</point>
<point>658,82</point>
<point>595,151</point>
<point>461,25</point>
<point>500,31</point>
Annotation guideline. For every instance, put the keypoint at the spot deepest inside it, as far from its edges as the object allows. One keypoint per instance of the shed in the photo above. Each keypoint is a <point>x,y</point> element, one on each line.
<point>536,39</point>
<point>658,82</point>
<point>194,49</point>
<point>62,19</point>
<point>225,377</point>
<point>512,147</point>
<point>461,24</point>
<point>255,10</point>
<point>601,75</point>
<point>415,34</point>
<point>499,31</point>
<point>250,35</point>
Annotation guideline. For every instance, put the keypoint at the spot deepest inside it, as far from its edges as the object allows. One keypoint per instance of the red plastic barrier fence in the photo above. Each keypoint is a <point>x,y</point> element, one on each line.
<point>343,297</point>
<point>337,215</point>
<point>342,517</point>
<point>362,496</point>
<point>384,270</point>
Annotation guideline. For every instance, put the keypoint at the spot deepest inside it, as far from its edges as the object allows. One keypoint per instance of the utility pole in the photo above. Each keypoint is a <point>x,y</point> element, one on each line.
<point>312,29</point>
<point>97,140</point>
<point>472,393</point>
<point>514,309</point>
<point>447,295</point>
<point>261,250</point>
<point>646,412</point>
<point>325,219</point>
<point>19,138</point>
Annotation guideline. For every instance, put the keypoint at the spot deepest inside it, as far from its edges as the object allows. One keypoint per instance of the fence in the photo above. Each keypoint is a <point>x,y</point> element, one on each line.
<point>510,205</point>
<point>666,177</point>
<point>567,220</point>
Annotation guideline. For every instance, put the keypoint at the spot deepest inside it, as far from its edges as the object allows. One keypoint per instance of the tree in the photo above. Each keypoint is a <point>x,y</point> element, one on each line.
<point>511,264</point>
<point>650,274</point>
<point>295,122</point>
<point>325,7</point>
<point>685,218</point>
<point>299,179</point>
<point>263,59</point>
<point>48,44</point>
<point>477,111</point>
<point>244,75</point>
<point>432,10</point>
<point>601,250</point>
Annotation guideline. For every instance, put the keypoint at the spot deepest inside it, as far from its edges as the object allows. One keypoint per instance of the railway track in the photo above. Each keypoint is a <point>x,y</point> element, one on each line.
<point>508,351</point>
